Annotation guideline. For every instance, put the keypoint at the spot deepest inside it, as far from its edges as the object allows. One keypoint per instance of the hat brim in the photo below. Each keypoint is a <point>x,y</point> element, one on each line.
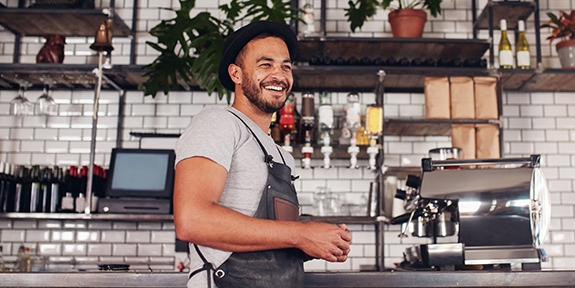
<point>236,42</point>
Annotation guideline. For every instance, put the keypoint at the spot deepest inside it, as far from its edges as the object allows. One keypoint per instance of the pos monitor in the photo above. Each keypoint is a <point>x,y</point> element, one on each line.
<point>141,173</point>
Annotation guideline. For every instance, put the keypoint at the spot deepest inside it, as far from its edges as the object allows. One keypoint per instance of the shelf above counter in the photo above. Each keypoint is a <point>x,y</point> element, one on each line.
<point>314,78</point>
<point>37,22</point>
<point>397,48</point>
<point>512,11</point>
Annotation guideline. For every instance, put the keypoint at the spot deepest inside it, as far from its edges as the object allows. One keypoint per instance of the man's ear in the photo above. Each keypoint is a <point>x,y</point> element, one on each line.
<point>235,73</point>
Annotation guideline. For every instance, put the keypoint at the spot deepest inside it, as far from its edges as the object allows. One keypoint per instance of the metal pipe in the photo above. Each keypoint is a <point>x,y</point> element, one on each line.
<point>90,176</point>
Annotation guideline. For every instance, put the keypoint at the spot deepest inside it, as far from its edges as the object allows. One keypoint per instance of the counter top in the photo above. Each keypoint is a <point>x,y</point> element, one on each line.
<point>316,280</point>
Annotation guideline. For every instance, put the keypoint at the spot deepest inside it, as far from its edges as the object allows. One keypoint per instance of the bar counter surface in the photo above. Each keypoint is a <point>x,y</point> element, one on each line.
<point>317,280</point>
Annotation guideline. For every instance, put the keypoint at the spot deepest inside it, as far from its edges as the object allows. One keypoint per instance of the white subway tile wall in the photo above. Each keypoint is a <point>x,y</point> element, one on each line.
<point>533,123</point>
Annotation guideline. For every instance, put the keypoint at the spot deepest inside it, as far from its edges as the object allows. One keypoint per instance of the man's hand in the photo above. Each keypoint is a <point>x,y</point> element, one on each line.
<point>325,241</point>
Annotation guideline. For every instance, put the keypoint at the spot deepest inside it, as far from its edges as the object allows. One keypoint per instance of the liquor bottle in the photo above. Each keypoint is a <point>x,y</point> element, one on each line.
<point>56,188</point>
<point>505,53</point>
<point>307,117</point>
<point>275,131</point>
<point>353,116</point>
<point>416,62</point>
<point>82,187</point>
<point>3,187</point>
<point>339,61</point>
<point>403,62</point>
<point>287,121</point>
<point>362,138</point>
<point>326,119</point>
<point>374,122</point>
<point>365,61</point>
<point>22,190</point>
<point>378,61</point>
<point>67,202</point>
<point>352,61</point>
<point>523,56</point>
<point>309,19</point>
<point>35,189</point>
<point>10,178</point>
<point>429,62</point>
<point>46,189</point>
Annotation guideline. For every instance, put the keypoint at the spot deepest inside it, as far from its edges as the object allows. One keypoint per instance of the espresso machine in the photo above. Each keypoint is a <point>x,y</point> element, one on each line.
<point>476,213</point>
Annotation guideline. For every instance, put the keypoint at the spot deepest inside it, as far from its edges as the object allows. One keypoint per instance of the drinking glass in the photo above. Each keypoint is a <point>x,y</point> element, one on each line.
<point>20,106</point>
<point>45,104</point>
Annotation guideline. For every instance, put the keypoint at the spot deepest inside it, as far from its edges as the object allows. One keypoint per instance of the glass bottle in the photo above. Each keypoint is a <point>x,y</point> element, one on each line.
<point>523,56</point>
<point>325,113</point>
<point>22,190</point>
<point>287,121</point>
<point>308,117</point>
<point>275,131</point>
<point>362,138</point>
<point>352,116</point>
<point>373,122</point>
<point>56,188</point>
<point>309,18</point>
<point>1,259</point>
<point>505,53</point>
<point>35,189</point>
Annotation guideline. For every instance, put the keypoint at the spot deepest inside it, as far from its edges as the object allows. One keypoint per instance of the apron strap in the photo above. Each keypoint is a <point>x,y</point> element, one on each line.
<point>207,266</point>
<point>269,157</point>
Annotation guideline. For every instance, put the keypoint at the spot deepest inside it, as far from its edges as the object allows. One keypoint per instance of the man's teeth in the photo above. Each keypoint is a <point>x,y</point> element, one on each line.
<point>276,88</point>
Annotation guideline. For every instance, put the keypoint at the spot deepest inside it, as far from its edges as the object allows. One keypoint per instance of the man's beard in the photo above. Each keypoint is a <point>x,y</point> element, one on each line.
<point>253,92</point>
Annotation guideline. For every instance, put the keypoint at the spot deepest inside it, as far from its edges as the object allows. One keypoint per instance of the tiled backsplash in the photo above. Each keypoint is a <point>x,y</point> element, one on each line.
<point>540,123</point>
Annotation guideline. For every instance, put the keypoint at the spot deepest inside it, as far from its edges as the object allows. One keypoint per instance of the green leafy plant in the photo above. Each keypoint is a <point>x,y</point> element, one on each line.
<point>561,27</point>
<point>191,47</point>
<point>360,10</point>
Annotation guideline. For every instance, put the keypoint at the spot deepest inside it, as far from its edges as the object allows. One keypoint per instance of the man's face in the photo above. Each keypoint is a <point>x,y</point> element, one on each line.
<point>266,73</point>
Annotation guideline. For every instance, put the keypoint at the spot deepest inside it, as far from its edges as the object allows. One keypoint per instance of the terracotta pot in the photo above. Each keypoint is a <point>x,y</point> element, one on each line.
<point>566,52</point>
<point>407,23</point>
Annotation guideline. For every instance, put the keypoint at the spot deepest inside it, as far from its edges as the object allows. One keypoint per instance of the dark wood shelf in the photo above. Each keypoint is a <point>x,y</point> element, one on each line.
<point>397,48</point>
<point>67,22</point>
<point>512,11</point>
<point>530,80</point>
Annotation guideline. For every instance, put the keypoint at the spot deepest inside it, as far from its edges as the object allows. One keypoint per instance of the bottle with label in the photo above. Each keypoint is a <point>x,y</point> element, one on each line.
<point>505,53</point>
<point>35,189</point>
<point>523,55</point>
<point>308,117</point>
<point>309,18</point>
<point>287,122</point>
<point>55,190</point>
<point>22,190</point>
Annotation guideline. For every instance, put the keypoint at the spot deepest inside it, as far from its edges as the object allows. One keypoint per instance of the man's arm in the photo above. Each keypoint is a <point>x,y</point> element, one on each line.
<point>199,219</point>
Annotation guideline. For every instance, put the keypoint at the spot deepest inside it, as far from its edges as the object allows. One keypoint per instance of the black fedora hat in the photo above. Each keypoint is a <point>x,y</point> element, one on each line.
<point>236,42</point>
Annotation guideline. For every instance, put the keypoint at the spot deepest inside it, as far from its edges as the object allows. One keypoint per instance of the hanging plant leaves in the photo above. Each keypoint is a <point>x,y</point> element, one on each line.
<point>191,48</point>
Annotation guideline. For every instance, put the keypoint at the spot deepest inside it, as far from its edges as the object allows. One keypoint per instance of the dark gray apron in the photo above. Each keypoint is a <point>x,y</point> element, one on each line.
<point>271,268</point>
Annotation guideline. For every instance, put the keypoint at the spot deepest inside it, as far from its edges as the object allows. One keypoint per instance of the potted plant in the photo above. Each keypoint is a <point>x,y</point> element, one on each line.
<point>191,47</point>
<point>563,27</point>
<point>407,17</point>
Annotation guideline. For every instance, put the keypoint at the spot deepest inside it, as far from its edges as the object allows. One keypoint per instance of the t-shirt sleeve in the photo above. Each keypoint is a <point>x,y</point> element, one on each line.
<point>212,134</point>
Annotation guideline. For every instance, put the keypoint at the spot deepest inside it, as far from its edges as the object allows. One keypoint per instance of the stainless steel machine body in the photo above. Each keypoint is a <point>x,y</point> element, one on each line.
<point>498,212</point>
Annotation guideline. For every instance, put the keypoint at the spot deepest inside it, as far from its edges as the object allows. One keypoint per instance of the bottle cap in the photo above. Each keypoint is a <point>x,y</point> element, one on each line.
<point>503,24</point>
<point>521,25</point>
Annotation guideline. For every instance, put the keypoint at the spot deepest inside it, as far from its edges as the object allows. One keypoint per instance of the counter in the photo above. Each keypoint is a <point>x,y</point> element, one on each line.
<point>317,280</point>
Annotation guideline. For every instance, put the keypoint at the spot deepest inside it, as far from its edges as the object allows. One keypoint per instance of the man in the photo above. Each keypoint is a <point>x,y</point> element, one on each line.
<point>234,200</point>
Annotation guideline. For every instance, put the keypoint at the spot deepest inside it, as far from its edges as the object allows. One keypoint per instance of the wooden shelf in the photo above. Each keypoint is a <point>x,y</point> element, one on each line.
<point>512,11</point>
<point>397,48</point>
<point>67,22</point>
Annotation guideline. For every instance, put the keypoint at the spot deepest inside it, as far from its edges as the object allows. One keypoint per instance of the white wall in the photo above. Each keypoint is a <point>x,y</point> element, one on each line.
<point>534,123</point>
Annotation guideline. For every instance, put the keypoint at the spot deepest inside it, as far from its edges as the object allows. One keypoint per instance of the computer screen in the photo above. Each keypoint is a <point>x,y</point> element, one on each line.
<point>141,173</point>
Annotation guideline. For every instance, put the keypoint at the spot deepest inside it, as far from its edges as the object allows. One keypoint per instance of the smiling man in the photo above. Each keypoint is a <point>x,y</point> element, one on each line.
<point>234,198</point>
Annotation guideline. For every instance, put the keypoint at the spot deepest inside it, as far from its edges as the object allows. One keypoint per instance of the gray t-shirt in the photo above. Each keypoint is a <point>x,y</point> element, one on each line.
<point>217,134</point>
